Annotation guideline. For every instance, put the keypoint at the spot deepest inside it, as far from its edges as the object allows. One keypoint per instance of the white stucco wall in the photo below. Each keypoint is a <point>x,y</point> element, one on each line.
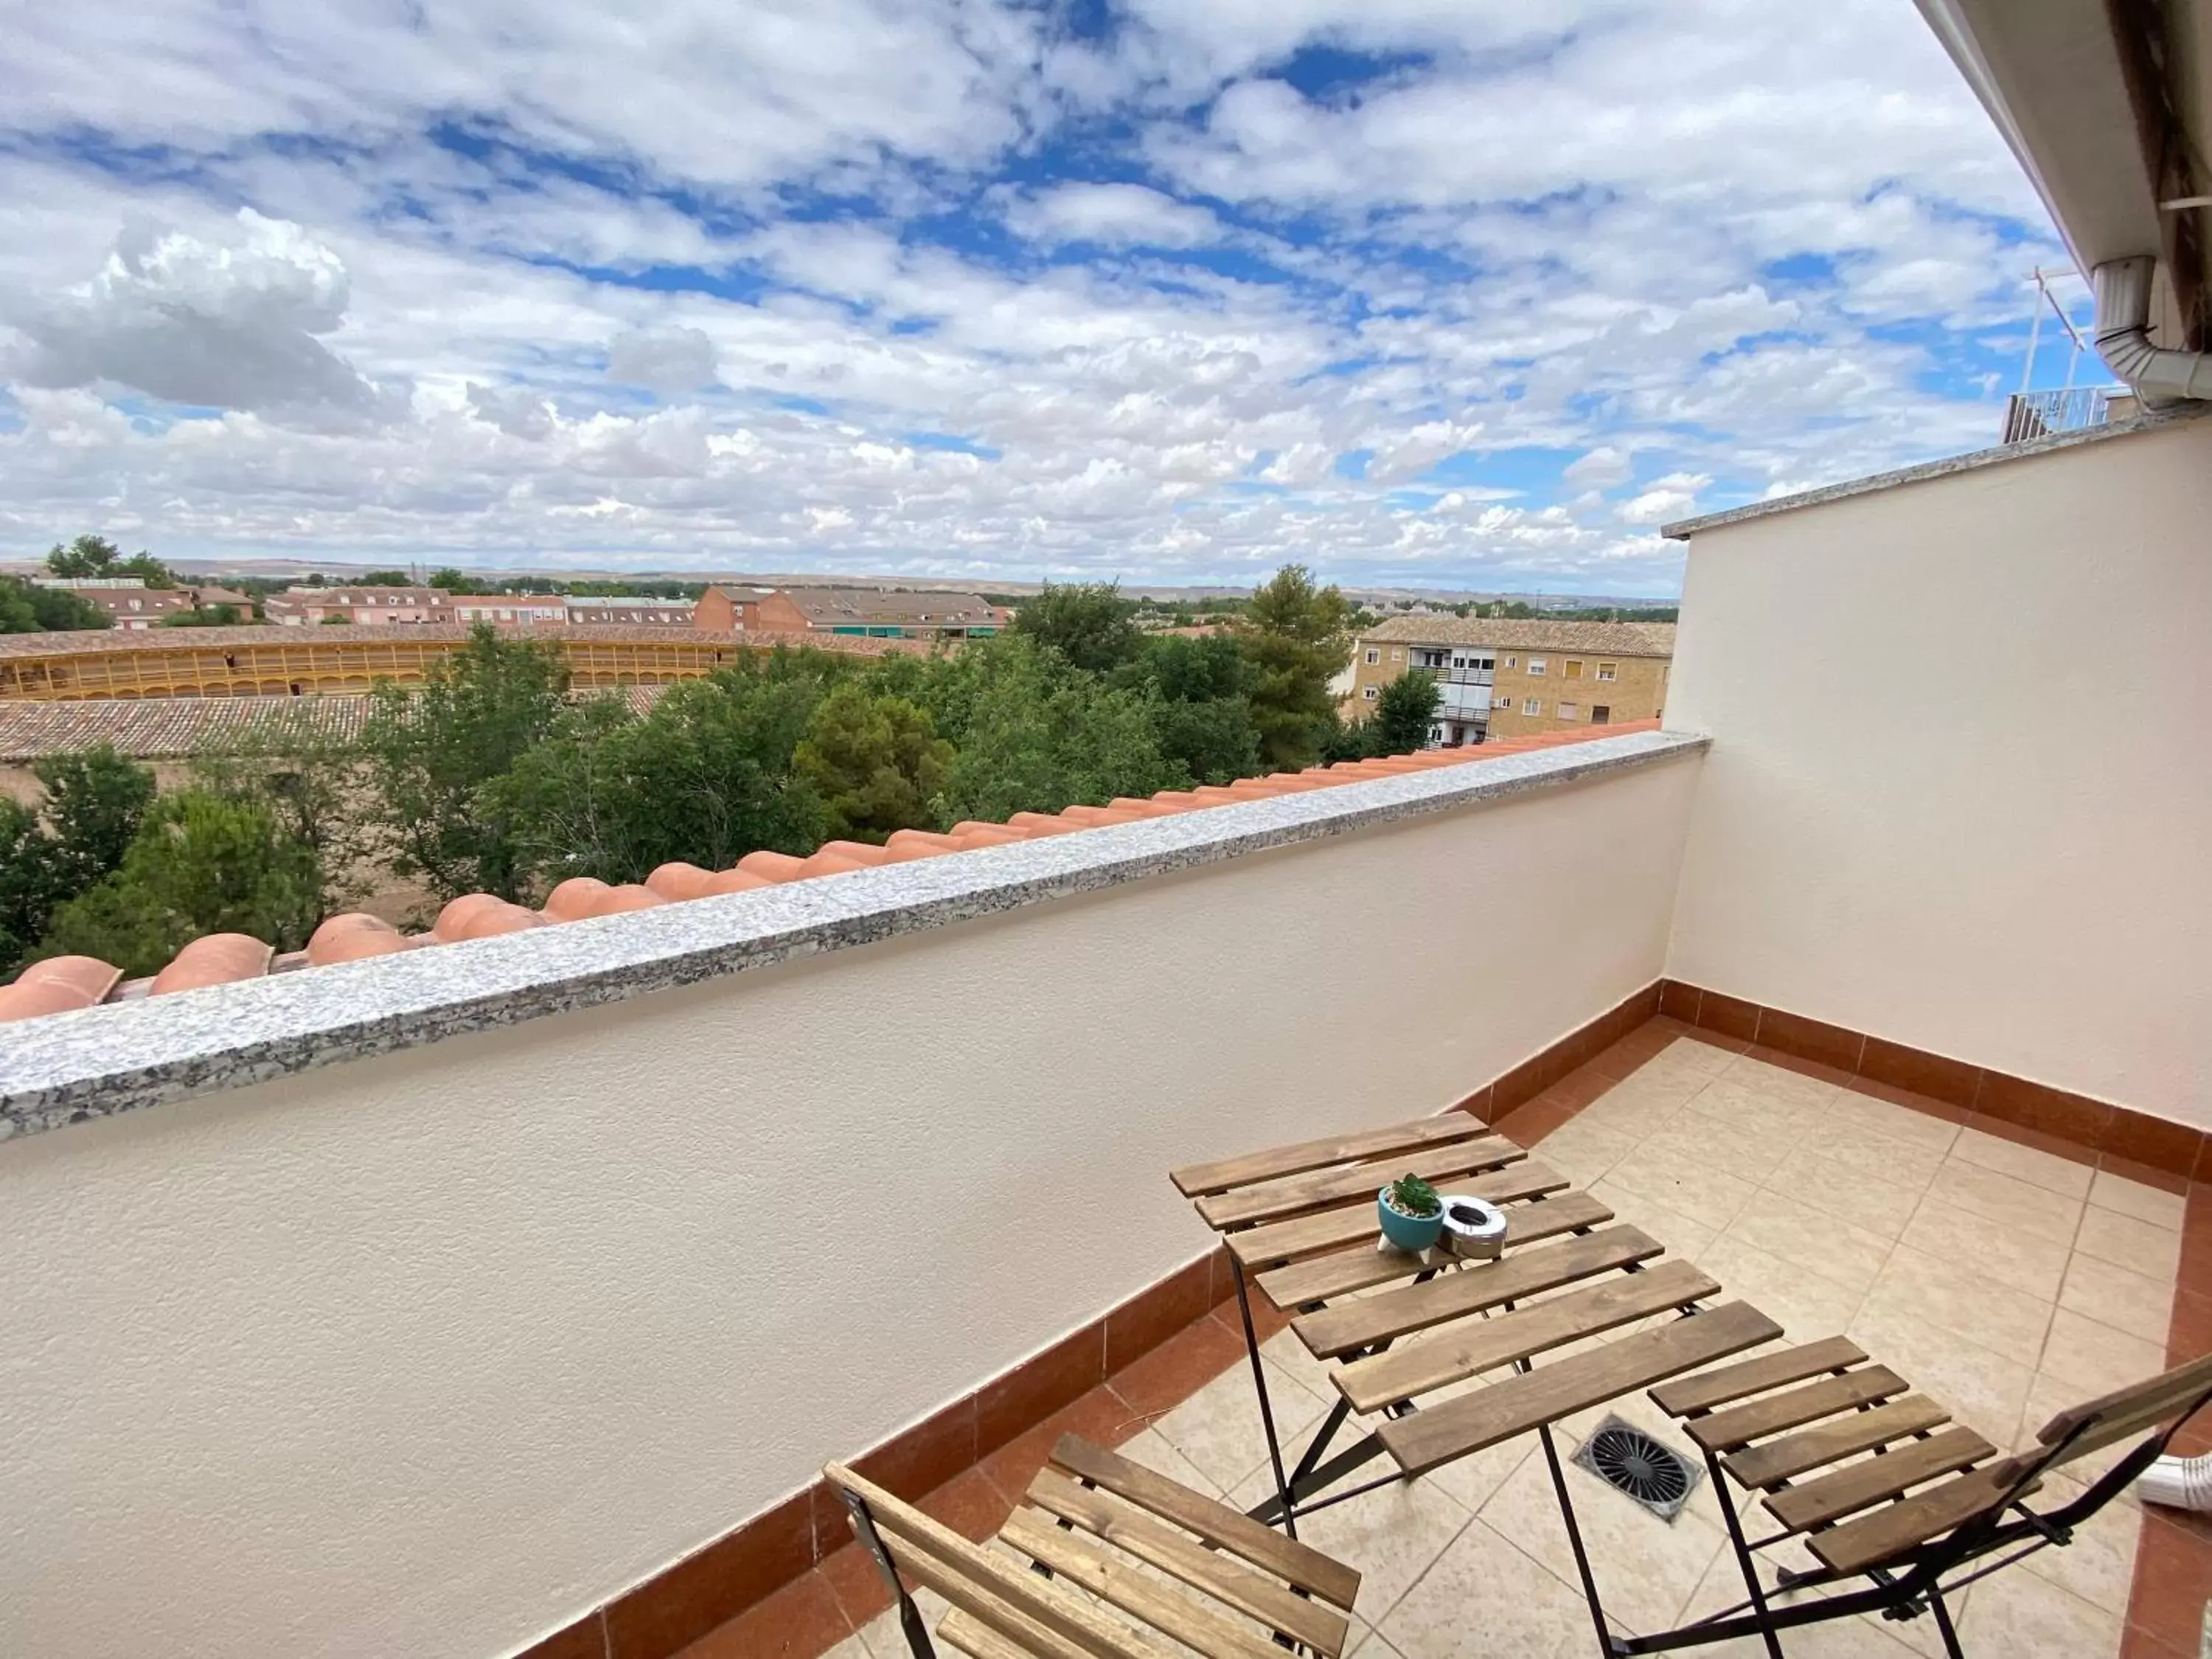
<point>430,1353</point>
<point>1958,794</point>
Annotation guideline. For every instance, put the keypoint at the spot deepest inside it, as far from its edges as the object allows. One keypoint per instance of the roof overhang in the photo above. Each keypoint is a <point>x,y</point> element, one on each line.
<point>2105,106</point>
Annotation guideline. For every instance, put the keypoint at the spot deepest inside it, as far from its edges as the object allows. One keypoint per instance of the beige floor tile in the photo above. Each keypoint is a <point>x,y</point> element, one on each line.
<point>2099,1564</point>
<point>1869,1201</point>
<point>1739,1143</point>
<point>1219,1430</point>
<point>882,1637</point>
<point>1811,1239</point>
<point>1638,1108</point>
<point>2015,1256</point>
<point>1806,1306</point>
<point>1681,1234</point>
<point>1474,1479</point>
<point>1284,1352</point>
<point>1683,1184</point>
<point>2032,1164</point>
<point>1484,1599</point>
<point>1646,1568</point>
<point>1954,1296</point>
<point>2141,1247</point>
<point>2135,1198</point>
<point>1894,1122</point>
<point>2096,1358</point>
<point>2004,1198</point>
<point>1778,1083</point>
<point>2023,1616</point>
<point>1392,1535</point>
<point>1981,1388</point>
<point>1584,1150</point>
<point>1692,1055</point>
<point>1157,1453</point>
<point>1372,1646</point>
<point>2112,1296</point>
<point>1843,1140</point>
<point>1748,1099</point>
<point>1844,1638</point>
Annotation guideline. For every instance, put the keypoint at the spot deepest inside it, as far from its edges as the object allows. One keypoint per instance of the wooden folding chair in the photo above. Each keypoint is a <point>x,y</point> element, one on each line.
<point>1879,1483</point>
<point>1123,1564</point>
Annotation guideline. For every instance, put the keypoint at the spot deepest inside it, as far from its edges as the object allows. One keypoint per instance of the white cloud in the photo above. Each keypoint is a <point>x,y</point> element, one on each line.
<point>231,323</point>
<point>1737,246</point>
<point>668,360</point>
<point>1113,215</point>
<point>1599,469</point>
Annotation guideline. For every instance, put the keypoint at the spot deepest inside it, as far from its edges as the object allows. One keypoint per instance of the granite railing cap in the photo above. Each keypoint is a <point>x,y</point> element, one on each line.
<point>99,1061</point>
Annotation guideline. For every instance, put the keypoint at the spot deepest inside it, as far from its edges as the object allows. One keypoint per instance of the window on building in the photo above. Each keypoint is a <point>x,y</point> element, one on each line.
<point>1509,662</point>
<point>1574,669</point>
<point>1601,713</point>
<point>1374,656</point>
<point>1533,706</point>
<point>1535,665</point>
<point>1371,693</point>
<point>1606,670</point>
<point>1397,653</point>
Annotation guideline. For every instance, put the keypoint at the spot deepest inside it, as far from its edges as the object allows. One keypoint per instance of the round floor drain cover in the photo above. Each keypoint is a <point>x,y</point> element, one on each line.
<point>1629,1460</point>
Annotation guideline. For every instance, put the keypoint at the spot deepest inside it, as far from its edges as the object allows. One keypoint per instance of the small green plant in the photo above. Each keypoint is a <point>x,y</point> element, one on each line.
<point>1411,1196</point>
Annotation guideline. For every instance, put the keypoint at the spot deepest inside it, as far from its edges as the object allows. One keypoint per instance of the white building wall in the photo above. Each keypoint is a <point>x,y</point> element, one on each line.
<point>1958,794</point>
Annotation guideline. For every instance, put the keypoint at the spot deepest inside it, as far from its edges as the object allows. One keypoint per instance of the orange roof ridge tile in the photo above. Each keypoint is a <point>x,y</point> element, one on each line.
<point>62,983</point>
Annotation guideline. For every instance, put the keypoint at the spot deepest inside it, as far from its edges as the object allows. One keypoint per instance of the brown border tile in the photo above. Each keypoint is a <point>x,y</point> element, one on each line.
<point>1937,1076</point>
<point>1521,1084</point>
<point>2164,1179</point>
<point>585,1639</point>
<point>2038,1106</point>
<point>1732,1017</point>
<point>1787,1062</point>
<point>1679,1001</point>
<point>681,1603</point>
<point>1158,1312</point>
<point>1811,1039</point>
<point>1476,1105</point>
<point>801,1620</point>
<point>1039,1386</point>
<point>919,1459</point>
<point>2139,1138</point>
<point>1178,1367</point>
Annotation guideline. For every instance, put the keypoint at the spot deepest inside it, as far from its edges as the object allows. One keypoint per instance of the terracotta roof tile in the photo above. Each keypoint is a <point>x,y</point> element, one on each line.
<point>63,983</point>
<point>1530,634</point>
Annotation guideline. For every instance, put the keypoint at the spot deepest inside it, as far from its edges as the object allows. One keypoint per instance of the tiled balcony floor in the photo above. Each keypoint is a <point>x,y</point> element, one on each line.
<point>2004,1280</point>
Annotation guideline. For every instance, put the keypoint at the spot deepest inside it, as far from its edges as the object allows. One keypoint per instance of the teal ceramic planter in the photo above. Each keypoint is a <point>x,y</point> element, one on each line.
<point>1408,1232</point>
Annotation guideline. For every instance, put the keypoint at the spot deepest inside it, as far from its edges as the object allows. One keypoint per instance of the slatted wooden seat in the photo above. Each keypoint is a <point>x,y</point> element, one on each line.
<point>1127,1565</point>
<point>1843,1452</point>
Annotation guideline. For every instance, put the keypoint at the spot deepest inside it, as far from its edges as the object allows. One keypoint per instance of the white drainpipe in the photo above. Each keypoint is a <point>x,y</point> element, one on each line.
<point>2160,376</point>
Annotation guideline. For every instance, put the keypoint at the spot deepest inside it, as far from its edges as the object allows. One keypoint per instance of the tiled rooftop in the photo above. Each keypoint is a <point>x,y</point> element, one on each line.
<point>62,984</point>
<point>1532,634</point>
<point>2007,1280</point>
<point>77,642</point>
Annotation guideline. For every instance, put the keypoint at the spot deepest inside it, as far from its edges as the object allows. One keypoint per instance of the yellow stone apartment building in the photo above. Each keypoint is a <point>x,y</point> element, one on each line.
<point>1511,678</point>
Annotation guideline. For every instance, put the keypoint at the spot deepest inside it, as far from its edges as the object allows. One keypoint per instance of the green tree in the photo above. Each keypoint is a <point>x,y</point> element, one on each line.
<point>876,762</point>
<point>1299,637</point>
<point>201,863</point>
<point>209,616</point>
<point>1090,623</point>
<point>385,578</point>
<point>93,802</point>
<point>95,558</point>
<point>453,581</point>
<point>1404,711</point>
<point>428,754</point>
<point>1031,740</point>
<point>1203,712</point>
<point>27,608</point>
<point>705,777</point>
<point>310,780</point>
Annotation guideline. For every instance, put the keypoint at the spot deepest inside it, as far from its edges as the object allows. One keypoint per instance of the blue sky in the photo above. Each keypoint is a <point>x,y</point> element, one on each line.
<point>1420,292</point>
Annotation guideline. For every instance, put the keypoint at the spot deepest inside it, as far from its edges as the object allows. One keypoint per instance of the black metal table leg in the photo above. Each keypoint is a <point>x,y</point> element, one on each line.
<point>1266,1412</point>
<point>1744,1558</point>
<point>1575,1539</point>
